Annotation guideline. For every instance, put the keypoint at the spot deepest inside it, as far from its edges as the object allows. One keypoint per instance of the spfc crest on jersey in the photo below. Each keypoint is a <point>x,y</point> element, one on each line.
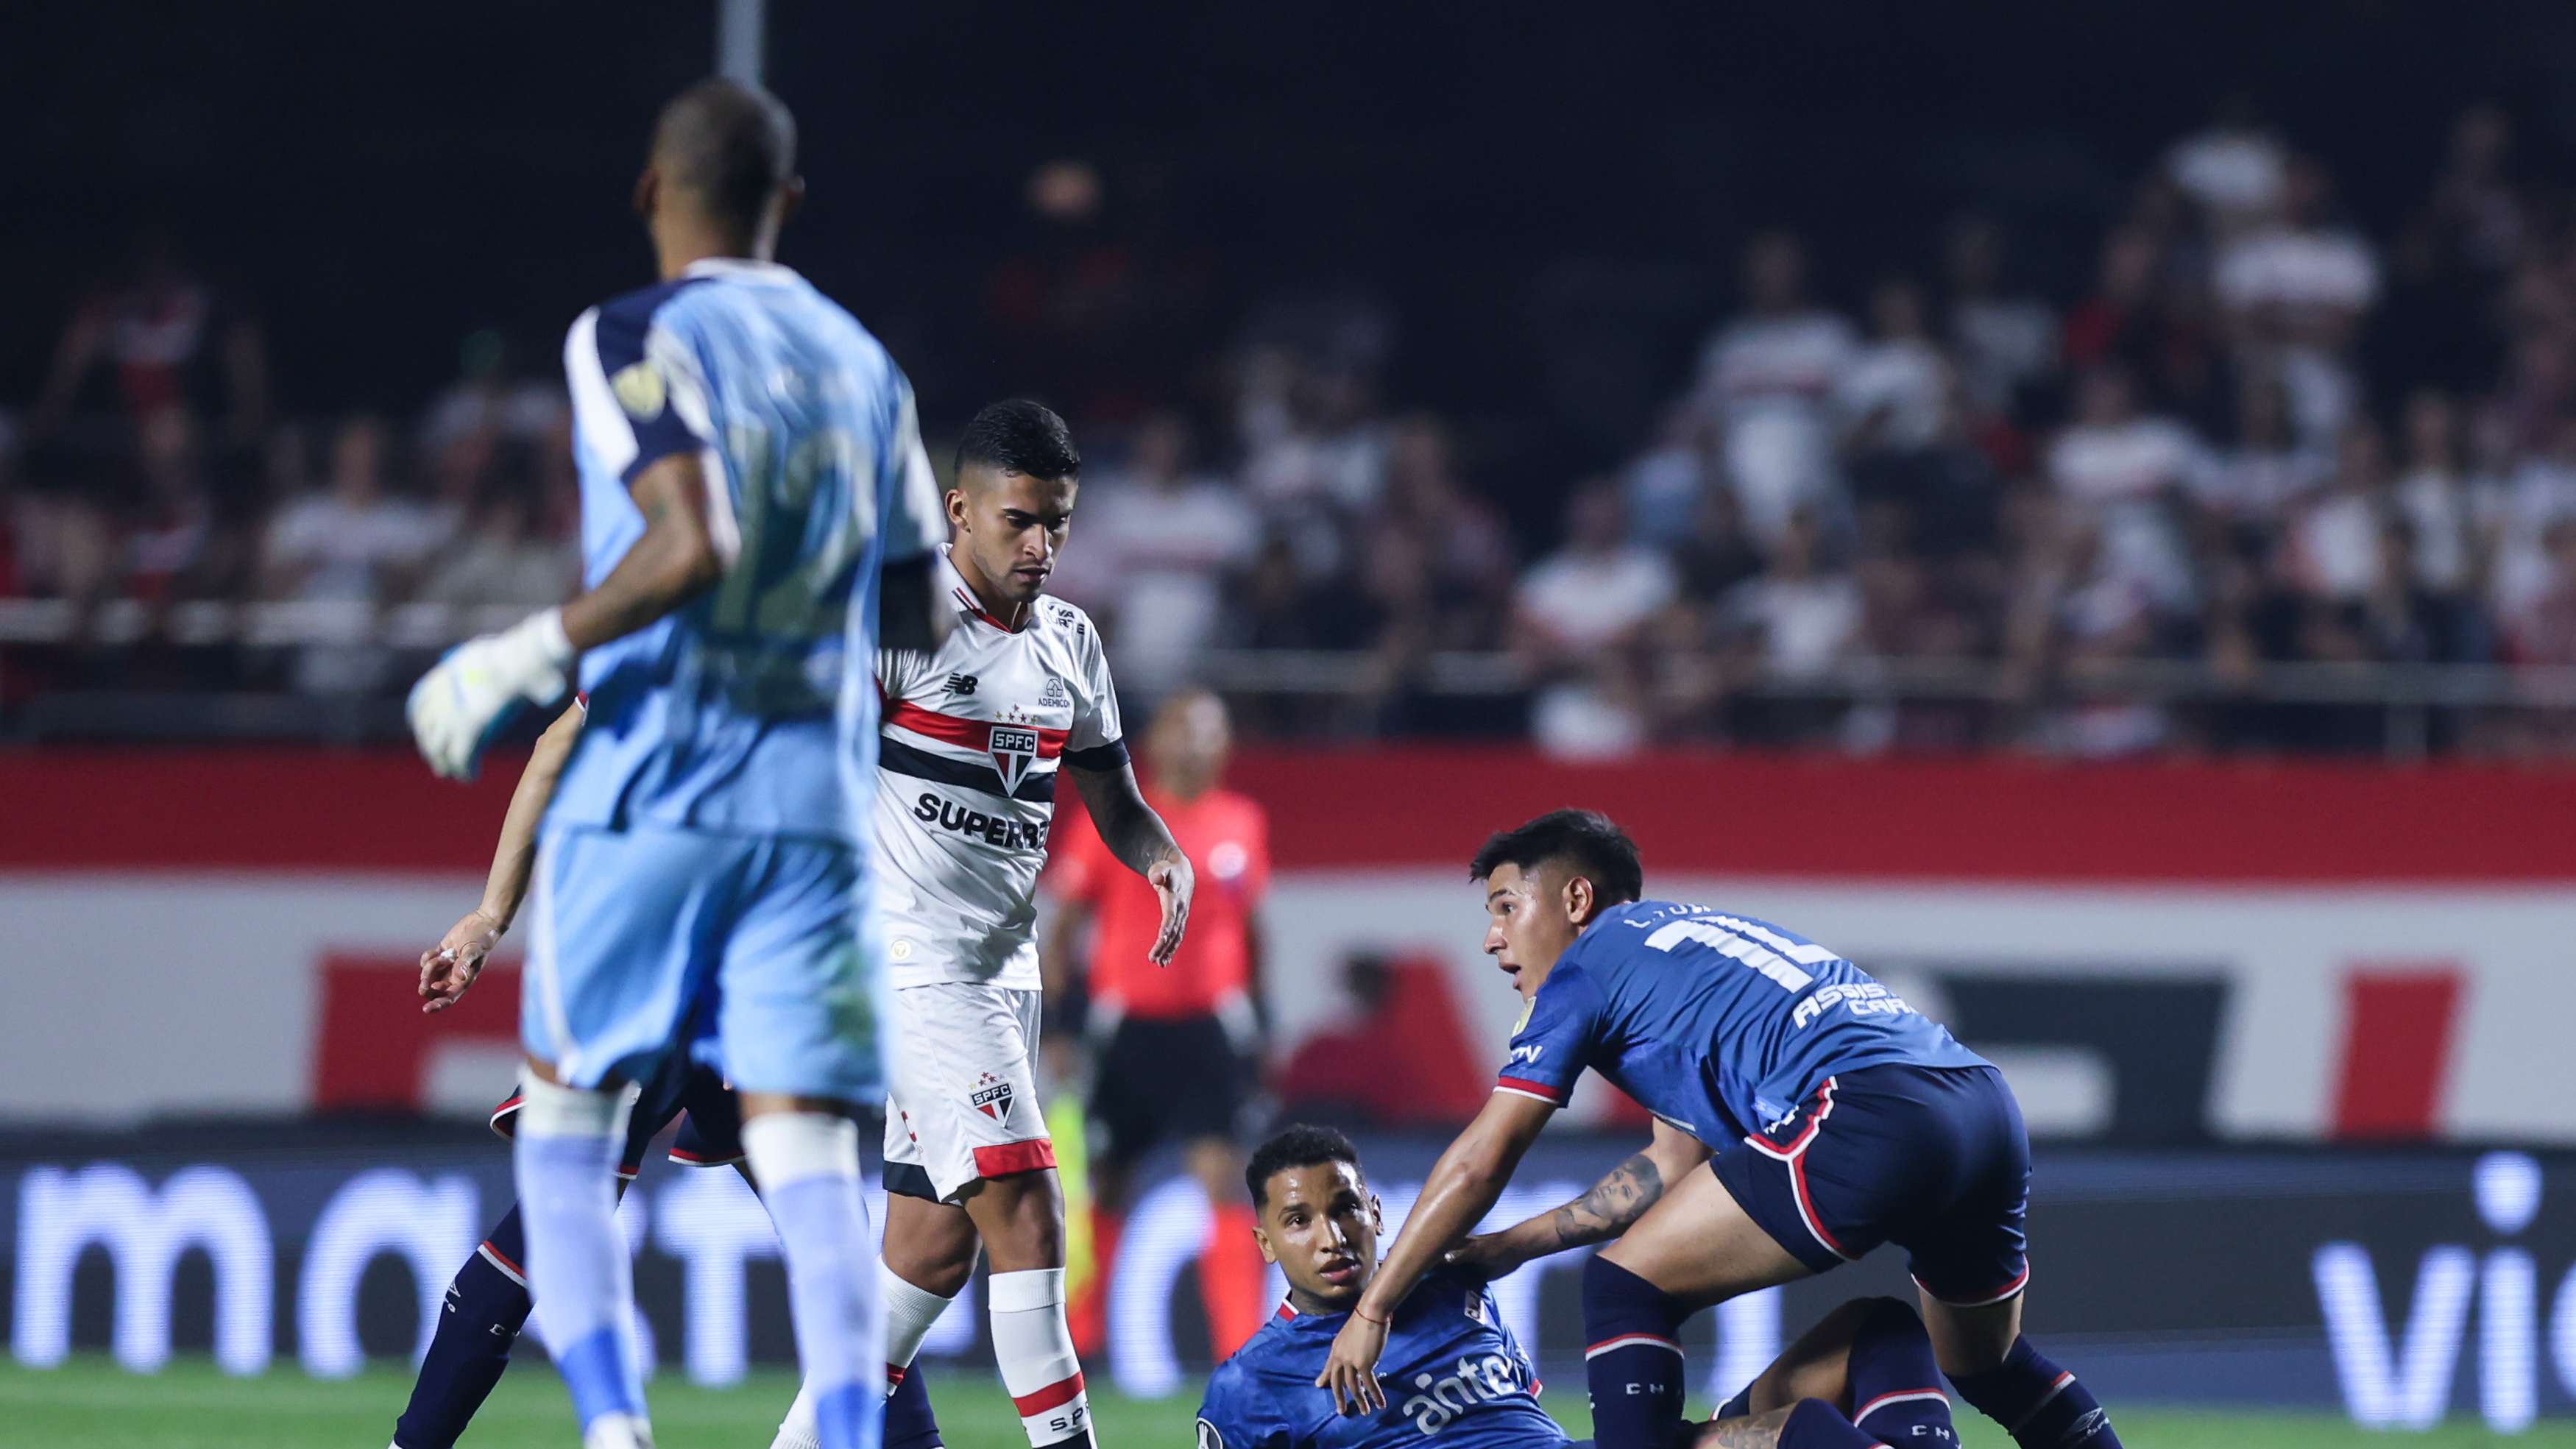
<point>992,1099</point>
<point>1012,749</point>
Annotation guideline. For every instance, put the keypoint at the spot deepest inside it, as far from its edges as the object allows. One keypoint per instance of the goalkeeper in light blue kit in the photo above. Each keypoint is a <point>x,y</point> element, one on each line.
<point>757,518</point>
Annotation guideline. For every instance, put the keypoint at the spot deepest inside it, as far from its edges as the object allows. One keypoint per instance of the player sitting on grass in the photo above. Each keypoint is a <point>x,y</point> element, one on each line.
<point>1454,1370</point>
<point>1832,1118</point>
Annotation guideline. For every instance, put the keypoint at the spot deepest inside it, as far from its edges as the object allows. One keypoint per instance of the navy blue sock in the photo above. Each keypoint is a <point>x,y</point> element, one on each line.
<point>487,1305</point>
<point>1896,1391</point>
<point>2038,1403</point>
<point>1634,1362</point>
<point>1814,1424</point>
<point>909,1424</point>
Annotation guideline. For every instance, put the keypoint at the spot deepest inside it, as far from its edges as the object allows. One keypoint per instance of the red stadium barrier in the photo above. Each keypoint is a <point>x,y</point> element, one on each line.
<point>1981,819</point>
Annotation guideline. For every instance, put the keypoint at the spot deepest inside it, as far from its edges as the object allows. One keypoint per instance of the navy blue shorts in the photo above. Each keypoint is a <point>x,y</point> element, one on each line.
<point>710,1133</point>
<point>1932,1159</point>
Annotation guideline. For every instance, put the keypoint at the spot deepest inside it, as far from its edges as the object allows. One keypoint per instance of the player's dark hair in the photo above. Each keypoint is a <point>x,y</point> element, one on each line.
<point>1598,850</point>
<point>1302,1145</point>
<point>1023,437</point>
<point>728,144</point>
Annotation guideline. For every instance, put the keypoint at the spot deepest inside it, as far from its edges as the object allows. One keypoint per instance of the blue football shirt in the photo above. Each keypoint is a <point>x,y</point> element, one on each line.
<point>1451,1368</point>
<point>740,712</point>
<point>1717,1023</point>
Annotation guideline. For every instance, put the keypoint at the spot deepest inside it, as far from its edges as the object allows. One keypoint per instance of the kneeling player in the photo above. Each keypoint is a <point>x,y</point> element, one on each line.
<point>1453,1369</point>
<point>1831,1116</point>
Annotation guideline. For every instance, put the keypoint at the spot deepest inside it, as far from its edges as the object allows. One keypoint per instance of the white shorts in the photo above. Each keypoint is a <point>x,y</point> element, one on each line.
<point>961,1061</point>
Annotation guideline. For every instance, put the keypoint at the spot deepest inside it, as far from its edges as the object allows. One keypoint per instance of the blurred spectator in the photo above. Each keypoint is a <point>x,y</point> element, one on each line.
<point>1801,618</point>
<point>484,400</point>
<point>2121,472</point>
<point>2005,344</point>
<point>167,339</point>
<point>1771,376</point>
<point>1577,616</point>
<point>1665,483</point>
<point>349,542</point>
<point>2434,494</point>
<point>2255,482</point>
<point>2335,545</point>
<point>2539,495</point>
<point>504,559</point>
<point>2234,168</point>
<point>1159,542</point>
<point>2296,288</point>
<point>2543,631</point>
<point>1894,396</point>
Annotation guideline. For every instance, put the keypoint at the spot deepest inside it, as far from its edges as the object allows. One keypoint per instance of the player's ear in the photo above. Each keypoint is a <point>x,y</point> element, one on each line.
<point>956,501</point>
<point>648,185</point>
<point>791,199</point>
<point>1579,899</point>
<point>1377,1214</point>
<point>1261,1237</point>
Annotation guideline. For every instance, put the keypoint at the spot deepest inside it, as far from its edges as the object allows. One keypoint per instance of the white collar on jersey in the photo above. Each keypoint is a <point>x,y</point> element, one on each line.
<point>965,596</point>
<point>741,269</point>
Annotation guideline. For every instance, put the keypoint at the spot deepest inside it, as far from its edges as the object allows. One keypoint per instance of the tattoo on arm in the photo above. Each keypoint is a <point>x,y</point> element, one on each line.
<point>1762,1431</point>
<point>1613,1203</point>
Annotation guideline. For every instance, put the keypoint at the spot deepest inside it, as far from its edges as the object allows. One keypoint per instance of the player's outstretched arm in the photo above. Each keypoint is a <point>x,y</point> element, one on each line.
<point>1140,840</point>
<point>1598,1216</point>
<point>447,969</point>
<point>1464,1185</point>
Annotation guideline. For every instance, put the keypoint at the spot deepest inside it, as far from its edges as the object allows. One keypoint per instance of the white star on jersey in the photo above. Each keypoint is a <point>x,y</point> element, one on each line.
<point>966,773</point>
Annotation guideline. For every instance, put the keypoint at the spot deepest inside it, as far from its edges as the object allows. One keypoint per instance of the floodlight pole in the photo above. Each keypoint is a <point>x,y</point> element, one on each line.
<point>742,31</point>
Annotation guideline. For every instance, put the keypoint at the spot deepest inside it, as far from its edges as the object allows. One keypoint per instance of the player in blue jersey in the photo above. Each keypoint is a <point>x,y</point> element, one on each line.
<point>1454,1370</point>
<point>1832,1117</point>
<point>749,464</point>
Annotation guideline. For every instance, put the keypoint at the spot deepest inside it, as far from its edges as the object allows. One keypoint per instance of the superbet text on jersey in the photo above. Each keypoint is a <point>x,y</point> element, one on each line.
<point>966,775</point>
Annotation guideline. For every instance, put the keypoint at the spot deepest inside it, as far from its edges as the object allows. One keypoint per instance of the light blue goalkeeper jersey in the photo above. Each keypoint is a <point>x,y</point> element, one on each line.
<point>750,710</point>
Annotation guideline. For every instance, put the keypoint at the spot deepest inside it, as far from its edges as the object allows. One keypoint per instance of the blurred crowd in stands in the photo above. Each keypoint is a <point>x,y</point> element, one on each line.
<point>2263,436</point>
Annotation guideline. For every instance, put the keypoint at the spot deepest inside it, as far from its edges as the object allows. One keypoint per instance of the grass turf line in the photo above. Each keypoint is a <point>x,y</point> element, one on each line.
<point>91,1402</point>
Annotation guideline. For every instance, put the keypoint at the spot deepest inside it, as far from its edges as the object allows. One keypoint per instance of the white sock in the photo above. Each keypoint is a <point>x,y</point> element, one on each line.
<point>1035,1350</point>
<point>909,1313</point>
<point>564,1156</point>
<point>797,1430</point>
<point>807,1164</point>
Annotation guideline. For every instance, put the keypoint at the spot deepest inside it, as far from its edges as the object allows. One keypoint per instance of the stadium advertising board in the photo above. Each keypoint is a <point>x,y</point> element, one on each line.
<point>2345,1279</point>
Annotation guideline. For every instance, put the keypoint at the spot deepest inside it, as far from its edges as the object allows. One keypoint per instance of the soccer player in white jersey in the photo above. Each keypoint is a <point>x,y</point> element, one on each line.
<point>973,739</point>
<point>749,465</point>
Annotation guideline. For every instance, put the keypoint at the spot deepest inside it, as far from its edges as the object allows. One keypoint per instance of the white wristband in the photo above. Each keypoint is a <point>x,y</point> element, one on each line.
<point>545,631</point>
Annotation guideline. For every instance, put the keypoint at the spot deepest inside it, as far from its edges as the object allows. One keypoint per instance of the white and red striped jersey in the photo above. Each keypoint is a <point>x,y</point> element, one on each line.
<point>966,773</point>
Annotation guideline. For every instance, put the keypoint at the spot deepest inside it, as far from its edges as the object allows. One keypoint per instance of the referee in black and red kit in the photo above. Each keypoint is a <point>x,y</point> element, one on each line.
<point>1173,1049</point>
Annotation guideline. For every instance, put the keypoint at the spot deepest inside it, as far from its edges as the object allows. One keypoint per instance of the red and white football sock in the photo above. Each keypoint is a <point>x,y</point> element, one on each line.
<point>1035,1350</point>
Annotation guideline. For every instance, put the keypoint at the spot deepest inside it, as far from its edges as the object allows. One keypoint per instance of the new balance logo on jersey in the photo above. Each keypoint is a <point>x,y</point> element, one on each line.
<point>1012,749</point>
<point>961,685</point>
<point>993,1100</point>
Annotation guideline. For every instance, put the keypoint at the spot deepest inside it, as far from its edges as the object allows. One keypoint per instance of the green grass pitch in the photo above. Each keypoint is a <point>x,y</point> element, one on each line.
<point>90,1404</point>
